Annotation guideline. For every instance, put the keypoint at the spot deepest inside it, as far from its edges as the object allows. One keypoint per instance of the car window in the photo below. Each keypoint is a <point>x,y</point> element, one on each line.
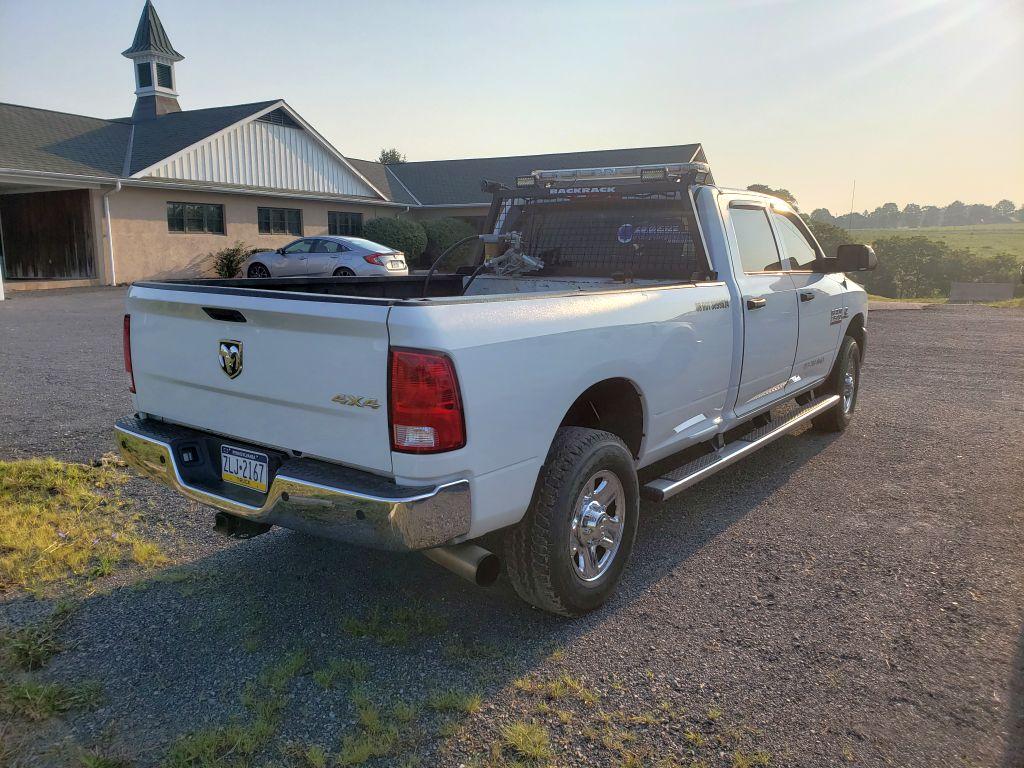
<point>329,246</point>
<point>299,246</point>
<point>758,252</point>
<point>802,254</point>
<point>361,242</point>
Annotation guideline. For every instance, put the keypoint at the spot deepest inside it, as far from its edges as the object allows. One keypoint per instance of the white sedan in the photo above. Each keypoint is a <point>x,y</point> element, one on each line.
<point>327,255</point>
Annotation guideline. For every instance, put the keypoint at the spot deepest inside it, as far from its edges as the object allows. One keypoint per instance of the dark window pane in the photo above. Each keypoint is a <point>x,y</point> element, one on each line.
<point>163,76</point>
<point>215,219</point>
<point>263,217</point>
<point>294,221</point>
<point>145,74</point>
<point>754,237</point>
<point>343,223</point>
<point>175,217</point>
<point>195,220</point>
<point>277,221</point>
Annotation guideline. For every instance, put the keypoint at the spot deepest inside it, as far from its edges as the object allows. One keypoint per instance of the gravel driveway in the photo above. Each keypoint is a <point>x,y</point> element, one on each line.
<point>833,601</point>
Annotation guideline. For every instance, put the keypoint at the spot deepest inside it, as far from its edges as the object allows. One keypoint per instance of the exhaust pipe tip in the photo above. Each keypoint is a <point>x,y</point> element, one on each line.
<point>469,561</point>
<point>487,570</point>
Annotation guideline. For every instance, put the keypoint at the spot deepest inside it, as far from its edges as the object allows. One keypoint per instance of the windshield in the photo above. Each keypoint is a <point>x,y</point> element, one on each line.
<point>644,238</point>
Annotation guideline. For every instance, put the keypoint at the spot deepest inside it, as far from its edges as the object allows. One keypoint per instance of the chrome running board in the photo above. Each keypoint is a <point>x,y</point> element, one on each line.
<point>678,480</point>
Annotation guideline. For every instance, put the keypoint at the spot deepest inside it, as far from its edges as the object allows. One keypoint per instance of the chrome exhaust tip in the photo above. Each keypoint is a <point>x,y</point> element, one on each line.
<point>469,561</point>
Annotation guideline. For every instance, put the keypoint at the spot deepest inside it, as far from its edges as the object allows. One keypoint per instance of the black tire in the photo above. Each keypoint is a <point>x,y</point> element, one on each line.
<point>343,272</point>
<point>847,362</point>
<point>258,270</point>
<point>537,552</point>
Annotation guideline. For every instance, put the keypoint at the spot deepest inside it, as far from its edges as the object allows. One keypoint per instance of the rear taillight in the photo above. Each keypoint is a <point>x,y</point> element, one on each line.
<point>424,405</point>
<point>375,258</point>
<point>128,353</point>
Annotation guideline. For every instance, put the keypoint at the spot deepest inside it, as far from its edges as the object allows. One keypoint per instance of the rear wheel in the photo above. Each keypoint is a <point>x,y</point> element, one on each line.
<point>343,272</point>
<point>845,382</point>
<point>568,552</point>
<point>258,270</point>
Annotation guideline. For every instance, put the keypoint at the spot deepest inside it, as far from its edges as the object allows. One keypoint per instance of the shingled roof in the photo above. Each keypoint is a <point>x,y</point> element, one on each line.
<point>457,182</point>
<point>56,142</point>
<point>150,36</point>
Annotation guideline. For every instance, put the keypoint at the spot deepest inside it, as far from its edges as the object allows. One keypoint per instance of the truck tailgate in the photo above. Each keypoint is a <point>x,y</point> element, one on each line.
<point>313,373</point>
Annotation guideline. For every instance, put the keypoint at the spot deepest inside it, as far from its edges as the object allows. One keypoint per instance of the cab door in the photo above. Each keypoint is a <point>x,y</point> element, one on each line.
<point>820,298</point>
<point>769,306</point>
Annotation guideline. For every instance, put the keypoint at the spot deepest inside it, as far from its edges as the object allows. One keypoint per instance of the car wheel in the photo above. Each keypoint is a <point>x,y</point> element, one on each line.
<point>258,270</point>
<point>845,382</point>
<point>344,272</point>
<point>568,552</point>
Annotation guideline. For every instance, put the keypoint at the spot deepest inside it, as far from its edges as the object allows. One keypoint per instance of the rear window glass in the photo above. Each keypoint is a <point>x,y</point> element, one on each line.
<point>360,242</point>
<point>644,238</point>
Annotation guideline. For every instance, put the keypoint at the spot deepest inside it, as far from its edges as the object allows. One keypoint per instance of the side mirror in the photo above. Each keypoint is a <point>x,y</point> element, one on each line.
<point>852,257</point>
<point>279,251</point>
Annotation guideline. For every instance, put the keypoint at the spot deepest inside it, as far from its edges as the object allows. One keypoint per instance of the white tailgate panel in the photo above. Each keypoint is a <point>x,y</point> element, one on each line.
<point>296,356</point>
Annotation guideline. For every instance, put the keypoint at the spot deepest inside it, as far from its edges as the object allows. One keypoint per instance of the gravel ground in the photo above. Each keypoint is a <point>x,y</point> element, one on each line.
<point>854,600</point>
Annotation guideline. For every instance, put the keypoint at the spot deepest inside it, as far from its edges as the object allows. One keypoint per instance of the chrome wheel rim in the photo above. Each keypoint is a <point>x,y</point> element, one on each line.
<point>258,270</point>
<point>849,387</point>
<point>597,525</point>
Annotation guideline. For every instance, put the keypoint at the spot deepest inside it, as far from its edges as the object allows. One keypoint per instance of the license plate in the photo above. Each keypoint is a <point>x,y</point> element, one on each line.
<point>396,265</point>
<point>242,467</point>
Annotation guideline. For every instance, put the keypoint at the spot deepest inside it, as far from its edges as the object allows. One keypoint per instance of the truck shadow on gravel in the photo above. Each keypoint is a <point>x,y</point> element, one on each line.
<point>188,649</point>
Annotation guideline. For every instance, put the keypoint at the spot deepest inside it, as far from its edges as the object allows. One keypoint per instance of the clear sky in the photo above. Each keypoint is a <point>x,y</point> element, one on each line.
<point>918,100</point>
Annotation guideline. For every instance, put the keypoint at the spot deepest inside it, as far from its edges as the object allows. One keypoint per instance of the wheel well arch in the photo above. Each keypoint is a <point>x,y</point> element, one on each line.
<point>856,330</point>
<point>614,405</point>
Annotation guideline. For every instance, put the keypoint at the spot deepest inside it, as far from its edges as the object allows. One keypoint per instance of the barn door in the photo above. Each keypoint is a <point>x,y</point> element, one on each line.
<point>48,235</point>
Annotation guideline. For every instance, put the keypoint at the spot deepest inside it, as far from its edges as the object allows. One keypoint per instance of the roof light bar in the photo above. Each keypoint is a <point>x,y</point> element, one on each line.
<point>641,172</point>
<point>526,181</point>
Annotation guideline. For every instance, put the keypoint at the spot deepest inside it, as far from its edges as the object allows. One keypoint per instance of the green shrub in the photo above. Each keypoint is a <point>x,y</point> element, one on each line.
<point>401,234</point>
<point>228,261</point>
<point>441,234</point>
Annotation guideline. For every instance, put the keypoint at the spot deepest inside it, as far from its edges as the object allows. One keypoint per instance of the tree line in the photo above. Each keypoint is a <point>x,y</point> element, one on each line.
<point>914,216</point>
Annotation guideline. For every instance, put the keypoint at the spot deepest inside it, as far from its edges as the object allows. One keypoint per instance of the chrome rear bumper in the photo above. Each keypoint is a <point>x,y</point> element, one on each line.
<point>313,496</point>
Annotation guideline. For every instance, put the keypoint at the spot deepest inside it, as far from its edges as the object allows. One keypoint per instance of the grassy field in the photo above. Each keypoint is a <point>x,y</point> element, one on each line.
<point>983,239</point>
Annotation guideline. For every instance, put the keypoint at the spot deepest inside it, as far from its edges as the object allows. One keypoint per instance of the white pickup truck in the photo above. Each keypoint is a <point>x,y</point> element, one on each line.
<point>617,318</point>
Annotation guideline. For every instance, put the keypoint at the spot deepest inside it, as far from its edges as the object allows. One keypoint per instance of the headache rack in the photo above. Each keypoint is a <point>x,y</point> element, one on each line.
<point>624,221</point>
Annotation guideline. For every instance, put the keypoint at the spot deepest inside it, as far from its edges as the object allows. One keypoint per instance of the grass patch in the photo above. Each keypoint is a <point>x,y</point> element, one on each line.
<point>395,626</point>
<point>342,670</point>
<point>915,300</point>
<point>455,701</point>
<point>983,239</point>
<point>60,520</point>
<point>562,687</point>
<point>529,740</point>
<point>1008,304</point>
<point>376,737</point>
<point>34,700</point>
<point>236,743</point>
<point>29,648</point>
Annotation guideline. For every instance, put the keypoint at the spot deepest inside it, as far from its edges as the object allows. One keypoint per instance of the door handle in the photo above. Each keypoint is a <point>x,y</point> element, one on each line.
<point>756,303</point>
<point>806,295</point>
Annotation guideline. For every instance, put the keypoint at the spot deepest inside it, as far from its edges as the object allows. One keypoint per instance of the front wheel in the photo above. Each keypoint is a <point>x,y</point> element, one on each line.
<point>568,552</point>
<point>258,270</point>
<point>845,382</point>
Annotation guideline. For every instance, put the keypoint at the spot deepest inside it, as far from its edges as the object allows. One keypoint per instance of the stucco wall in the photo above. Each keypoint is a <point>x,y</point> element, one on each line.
<point>144,249</point>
